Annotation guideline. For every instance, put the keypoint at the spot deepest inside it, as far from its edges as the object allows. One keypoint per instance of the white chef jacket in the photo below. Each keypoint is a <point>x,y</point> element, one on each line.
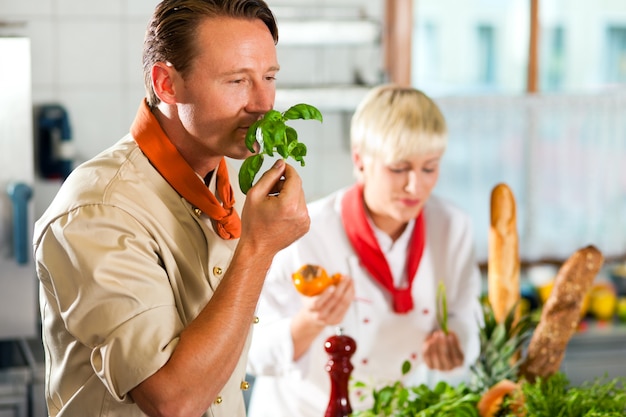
<point>384,339</point>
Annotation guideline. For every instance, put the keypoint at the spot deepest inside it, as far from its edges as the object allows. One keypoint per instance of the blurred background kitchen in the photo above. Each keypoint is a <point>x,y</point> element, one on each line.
<point>534,92</point>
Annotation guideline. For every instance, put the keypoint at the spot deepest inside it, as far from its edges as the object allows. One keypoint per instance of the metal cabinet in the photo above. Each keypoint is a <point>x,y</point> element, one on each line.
<point>18,282</point>
<point>18,296</point>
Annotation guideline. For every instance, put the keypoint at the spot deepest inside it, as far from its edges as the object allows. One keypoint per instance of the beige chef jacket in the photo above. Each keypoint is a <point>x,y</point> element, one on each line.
<point>125,264</point>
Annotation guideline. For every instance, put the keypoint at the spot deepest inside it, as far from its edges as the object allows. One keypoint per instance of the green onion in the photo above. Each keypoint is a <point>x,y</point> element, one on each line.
<point>442,308</point>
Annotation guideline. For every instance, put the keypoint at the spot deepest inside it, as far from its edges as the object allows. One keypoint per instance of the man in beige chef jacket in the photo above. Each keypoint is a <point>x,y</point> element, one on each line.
<point>150,262</point>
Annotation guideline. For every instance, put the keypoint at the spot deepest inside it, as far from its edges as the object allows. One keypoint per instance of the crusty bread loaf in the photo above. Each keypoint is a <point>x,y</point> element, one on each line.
<point>503,268</point>
<point>561,313</point>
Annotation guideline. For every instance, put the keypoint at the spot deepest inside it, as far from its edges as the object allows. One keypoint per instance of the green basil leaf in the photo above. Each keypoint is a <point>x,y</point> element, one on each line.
<point>291,135</point>
<point>249,168</point>
<point>268,145</point>
<point>278,133</point>
<point>282,151</point>
<point>302,111</point>
<point>251,135</point>
<point>406,367</point>
<point>297,150</point>
<point>274,116</point>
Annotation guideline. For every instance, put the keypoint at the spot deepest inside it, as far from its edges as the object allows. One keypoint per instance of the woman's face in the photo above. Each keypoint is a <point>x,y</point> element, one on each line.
<point>396,193</point>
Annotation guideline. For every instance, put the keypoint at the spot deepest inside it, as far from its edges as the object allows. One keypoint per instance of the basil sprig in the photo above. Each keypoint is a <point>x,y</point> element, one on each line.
<point>274,135</point>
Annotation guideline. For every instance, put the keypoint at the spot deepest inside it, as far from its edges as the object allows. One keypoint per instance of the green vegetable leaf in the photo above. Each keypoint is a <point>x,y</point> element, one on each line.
<point>273,115</point>
<point>251,135</point>
<point>249,168</point>
<point>297,150</point>
<point>282,150</point>
<point>406,367</point>
<point>291,135</point>
<point>555,396</point>
<point>302,111</point>
<point>274,135</point>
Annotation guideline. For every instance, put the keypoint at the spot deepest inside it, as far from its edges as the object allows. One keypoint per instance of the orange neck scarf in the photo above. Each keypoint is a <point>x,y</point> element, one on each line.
<point>164,156</point>
<point>366,246</point>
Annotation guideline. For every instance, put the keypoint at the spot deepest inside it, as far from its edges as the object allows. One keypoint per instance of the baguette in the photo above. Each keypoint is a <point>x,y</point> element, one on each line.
<point>561,314</point>
<point>503,267</point>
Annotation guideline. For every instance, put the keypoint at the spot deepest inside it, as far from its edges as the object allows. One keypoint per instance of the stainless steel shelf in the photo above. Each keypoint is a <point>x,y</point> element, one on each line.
<point>327,98</point>
<point>328,32</point>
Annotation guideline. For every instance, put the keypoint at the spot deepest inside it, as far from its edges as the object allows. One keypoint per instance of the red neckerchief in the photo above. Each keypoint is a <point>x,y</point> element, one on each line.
<point>157,147</point>
<point>366,246</point>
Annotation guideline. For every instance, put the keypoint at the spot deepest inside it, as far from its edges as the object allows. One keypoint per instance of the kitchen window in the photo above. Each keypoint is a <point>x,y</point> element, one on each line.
<point>616,60</point>
<point>561,150</point>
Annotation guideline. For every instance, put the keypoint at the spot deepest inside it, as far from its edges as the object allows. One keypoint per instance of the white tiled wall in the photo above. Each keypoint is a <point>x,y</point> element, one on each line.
<point>86,56</point>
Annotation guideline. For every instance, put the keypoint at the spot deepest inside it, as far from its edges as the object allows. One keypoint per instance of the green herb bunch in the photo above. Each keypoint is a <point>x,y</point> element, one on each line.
<point>443,400</point>
<point>555,397</point>
<point>274,135</point>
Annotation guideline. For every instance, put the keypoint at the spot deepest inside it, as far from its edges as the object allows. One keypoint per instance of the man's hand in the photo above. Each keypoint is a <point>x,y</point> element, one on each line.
<point>442,352</point>
<point>273,220</point>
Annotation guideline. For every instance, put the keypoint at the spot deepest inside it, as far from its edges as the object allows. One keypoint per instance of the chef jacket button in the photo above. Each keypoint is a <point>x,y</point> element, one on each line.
<point>245,385</point>
<point>218,400</point>
<point>197,211</point>
<point>256,319</point>
<point>217,271</point>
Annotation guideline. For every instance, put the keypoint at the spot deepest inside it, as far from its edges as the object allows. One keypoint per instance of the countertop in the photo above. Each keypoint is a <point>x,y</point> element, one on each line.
<point>597,349</point>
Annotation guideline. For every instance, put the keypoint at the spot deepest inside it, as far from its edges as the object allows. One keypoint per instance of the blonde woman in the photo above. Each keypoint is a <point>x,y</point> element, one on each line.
<point>393,242</point>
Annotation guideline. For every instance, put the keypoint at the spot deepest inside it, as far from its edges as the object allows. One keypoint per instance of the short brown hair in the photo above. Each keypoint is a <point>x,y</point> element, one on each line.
<point>170,36</point>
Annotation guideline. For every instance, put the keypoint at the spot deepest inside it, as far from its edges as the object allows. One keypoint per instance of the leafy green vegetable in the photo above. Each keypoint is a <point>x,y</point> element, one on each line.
<point>550,397</point>
<point>442,307</point>
<point>421,401</point>
<point>406,367</point>
<point>555,397</point>
<point>443,400</point>
<point>274,135</point>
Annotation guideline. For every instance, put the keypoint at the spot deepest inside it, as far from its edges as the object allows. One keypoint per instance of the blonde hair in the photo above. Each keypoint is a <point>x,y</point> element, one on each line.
<point>393,122</point>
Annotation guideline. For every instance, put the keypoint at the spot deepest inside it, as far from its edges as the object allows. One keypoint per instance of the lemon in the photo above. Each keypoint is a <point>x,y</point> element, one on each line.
<point>602,304</point>
<point>621,308</point>
<point>545,290</point>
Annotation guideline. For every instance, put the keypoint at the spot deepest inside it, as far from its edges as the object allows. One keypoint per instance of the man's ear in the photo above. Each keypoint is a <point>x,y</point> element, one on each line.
<point>163,76</point>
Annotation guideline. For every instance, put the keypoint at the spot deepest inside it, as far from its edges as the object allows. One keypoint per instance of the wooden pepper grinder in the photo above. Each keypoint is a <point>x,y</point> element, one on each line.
<point>339,348</point>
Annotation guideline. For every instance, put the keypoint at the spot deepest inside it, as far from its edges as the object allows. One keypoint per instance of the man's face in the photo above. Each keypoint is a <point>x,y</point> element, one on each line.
<point>230,85</point>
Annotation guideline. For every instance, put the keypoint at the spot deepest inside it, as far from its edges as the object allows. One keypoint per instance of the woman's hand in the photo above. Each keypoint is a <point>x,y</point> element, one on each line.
<point>442,352</point>
<point>325,309</point>
<point>329,308</point>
